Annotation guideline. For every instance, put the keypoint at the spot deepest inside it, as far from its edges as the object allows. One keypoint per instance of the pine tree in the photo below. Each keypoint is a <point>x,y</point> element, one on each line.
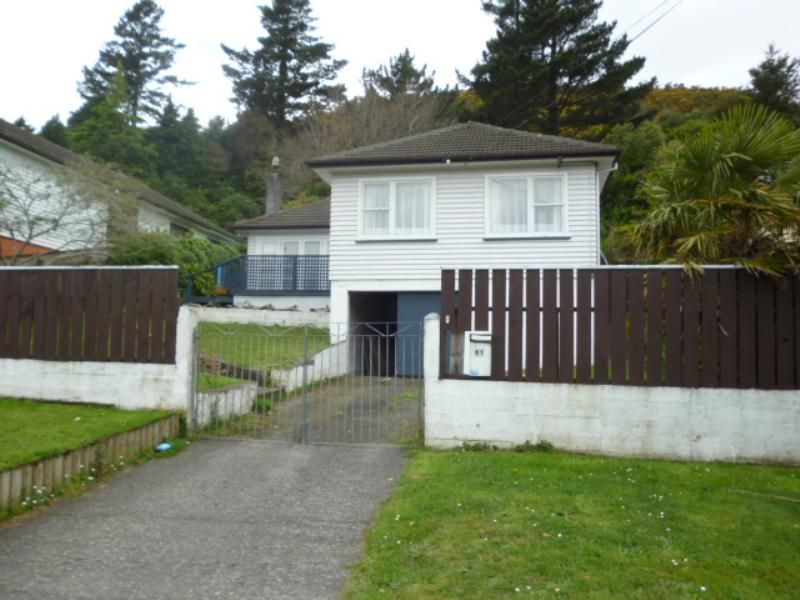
<point>551,67</point>
<point>55,131</point>
<point>105,134</point>
<point>776,83</point>
<point>292,69</point>
<point>180,146</point>
<point>399,77</point>
<point>23,124</point>
<point>142,54</point>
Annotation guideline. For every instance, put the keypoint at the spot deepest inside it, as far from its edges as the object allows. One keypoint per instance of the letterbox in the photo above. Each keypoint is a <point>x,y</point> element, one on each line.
<point>478,353</point>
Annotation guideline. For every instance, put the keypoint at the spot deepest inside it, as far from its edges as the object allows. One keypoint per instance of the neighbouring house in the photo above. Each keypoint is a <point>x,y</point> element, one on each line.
<point>287,259</point>
<point>469,195</point>
<point>51,212</point>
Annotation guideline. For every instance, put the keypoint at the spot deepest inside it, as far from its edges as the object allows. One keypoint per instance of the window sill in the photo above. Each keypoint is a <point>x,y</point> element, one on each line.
<point>526,236</point>
<point>394,239</point>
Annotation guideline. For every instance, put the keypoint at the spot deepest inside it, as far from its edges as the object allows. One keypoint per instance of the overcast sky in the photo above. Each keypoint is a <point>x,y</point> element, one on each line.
<point>46,42</point>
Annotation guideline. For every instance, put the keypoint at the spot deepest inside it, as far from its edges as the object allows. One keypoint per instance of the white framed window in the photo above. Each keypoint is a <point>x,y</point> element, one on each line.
<point>312,247</point>
<point>397,209</point>
<point>526,205</point>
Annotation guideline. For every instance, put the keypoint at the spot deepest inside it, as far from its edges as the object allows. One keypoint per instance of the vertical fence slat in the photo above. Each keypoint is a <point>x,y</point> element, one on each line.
<point>655,326</point>
<point>797,333</point>
<point>102,332</point>
<point>464,306</point>
<point>144,314</point>
<point>4,321</point>
<point>747,330</point>
<point>672,326</point>
<point>532,330</point>
<point>157,318</point>
<point>13,315</point>
<point>482,300</point>
<point>729,332</point>
<point>92,314</point>
<point>636,316</point>
<point>76,298</point>
<point>566,322</point>
<point>584,331</point>
<point>550,350</point>
<point>785,347</point>
<point>619,337</point>
<point>691,331</point>
<point>38,290</point>
<point>710,326</point>
<point>447,322</point>
<point>117,301</point>
<point>498,324</point>
<point>601,325</point>
<point>515,325</point>
<point>25,316</point>
<point>170,315</point>
<point>129,319</point>
<point>766,343</point>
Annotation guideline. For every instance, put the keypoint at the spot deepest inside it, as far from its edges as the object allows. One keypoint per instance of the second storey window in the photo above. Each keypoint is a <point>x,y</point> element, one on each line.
<point>402,208</point>
<point>520,206</point>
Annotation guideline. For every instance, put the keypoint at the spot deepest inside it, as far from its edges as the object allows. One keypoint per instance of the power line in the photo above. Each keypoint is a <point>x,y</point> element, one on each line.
<point>646,29</point>
<point>643,17</point>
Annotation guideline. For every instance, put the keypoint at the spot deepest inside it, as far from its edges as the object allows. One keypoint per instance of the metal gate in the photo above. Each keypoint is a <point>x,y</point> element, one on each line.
<point>352,383</point>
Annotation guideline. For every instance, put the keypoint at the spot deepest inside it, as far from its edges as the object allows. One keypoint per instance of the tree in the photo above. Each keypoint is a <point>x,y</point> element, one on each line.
<point>55,131</point>
<point>63,208</point>
<point>399,77</point>
<point>289,73</point>
<point>23,124</point>
<point>142,54</point>
<point>179,145</point>
<point>776,83</point>
<point>728,195</point>
<point>106,134</point>
<point>551,67</point>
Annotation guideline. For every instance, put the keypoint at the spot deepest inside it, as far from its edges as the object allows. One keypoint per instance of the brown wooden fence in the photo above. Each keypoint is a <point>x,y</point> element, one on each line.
<point>627,326</point>
<point>89,314</point>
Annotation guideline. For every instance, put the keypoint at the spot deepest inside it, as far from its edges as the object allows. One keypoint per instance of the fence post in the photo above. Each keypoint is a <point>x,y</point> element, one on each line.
<point>307,433</point>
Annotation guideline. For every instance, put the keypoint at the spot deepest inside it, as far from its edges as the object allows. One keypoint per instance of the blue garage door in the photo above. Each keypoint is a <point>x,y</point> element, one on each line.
<point>412,308</point>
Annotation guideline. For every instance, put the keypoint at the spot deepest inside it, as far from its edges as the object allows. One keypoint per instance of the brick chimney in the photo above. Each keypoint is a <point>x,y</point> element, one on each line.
<point>274,193</point>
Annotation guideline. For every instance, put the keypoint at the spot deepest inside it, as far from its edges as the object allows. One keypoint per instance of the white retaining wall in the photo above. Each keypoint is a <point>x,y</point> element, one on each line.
<point>320,318</point>
<point>328,363</point>
<point>126,385</point>
<point>303,304</point>
<point>226,402</point>
<point>682,423</point>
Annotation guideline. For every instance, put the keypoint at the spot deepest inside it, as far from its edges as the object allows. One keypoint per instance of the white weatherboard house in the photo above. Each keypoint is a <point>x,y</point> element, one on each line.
<point>469,195</point>
<point>30,160</point>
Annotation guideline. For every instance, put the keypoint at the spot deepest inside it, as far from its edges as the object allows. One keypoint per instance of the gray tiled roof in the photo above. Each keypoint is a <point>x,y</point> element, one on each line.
<point>316,215</point>
<point>58,154</point>
<point>463,143</point>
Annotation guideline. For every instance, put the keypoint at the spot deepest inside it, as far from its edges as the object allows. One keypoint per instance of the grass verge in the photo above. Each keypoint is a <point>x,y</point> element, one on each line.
<point>489,524</point>
<point>31,430</point>
<point>207,382</point>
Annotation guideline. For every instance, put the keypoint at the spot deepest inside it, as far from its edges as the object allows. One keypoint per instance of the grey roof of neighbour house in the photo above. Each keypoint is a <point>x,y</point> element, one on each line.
<point>316,215</point>
<point>58,154</point>
<point>465,142</point>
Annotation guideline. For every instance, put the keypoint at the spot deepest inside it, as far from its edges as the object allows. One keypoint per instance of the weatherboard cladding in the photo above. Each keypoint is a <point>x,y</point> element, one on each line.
<point>58,154</point>
<point>315,215</point>
<point>465,142</point>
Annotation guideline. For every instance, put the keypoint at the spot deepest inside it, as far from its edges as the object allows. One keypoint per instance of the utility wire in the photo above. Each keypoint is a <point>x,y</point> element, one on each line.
<point>643,17</point>
<point>646,29</point>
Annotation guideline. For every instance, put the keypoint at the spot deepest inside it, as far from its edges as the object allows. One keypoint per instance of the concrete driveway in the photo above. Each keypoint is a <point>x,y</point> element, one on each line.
<point>224,519</point>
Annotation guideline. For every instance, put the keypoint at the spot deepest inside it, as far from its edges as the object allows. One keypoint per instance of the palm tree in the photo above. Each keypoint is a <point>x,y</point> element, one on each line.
<point>728,195</point>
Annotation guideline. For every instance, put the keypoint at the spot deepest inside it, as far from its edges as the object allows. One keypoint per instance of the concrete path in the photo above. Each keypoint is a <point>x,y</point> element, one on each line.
<point>224,519</point>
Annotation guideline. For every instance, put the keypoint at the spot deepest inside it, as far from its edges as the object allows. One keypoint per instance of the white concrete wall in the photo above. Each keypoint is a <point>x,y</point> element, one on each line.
<point>259,316</point>
<point>151,220</point>
<point>681,423</point>
<point>326,364</point>
<point>304,304</point>
<point>126,385</point>
<point>224,403</point>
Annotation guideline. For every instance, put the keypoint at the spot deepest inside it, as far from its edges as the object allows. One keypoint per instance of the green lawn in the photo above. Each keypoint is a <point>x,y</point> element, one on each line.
<point>488,524</point>
<point>30,430</point>
<point>207,381</point>
<point>254,346</point>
